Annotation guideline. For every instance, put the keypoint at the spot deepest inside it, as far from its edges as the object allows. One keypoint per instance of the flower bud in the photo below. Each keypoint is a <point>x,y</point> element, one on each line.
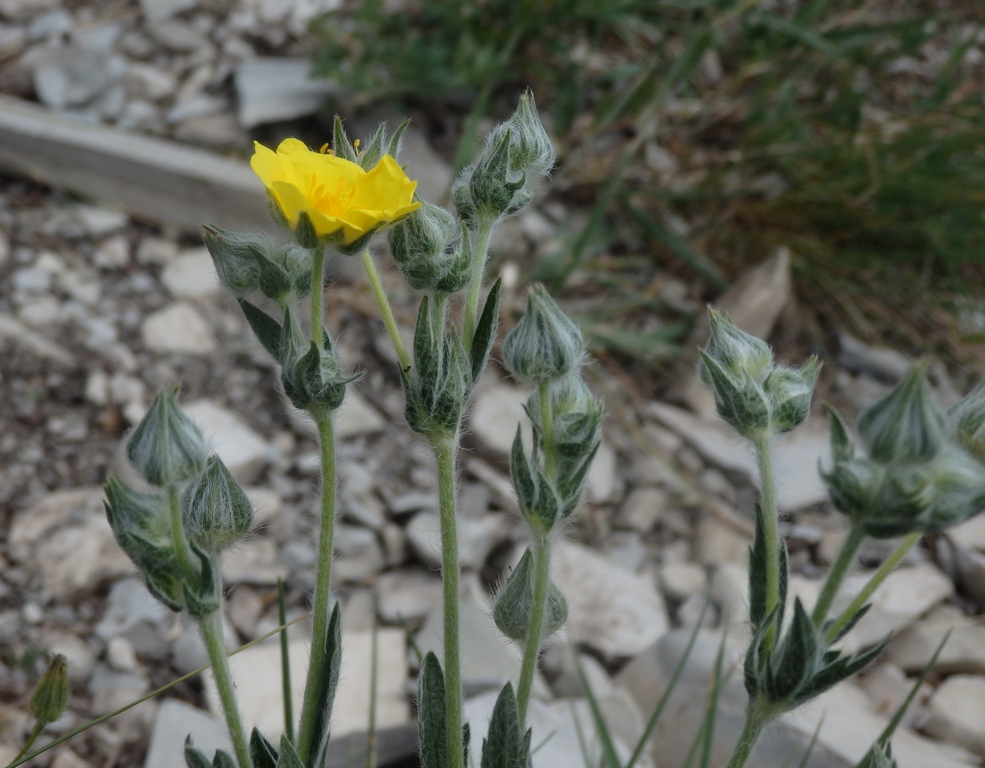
<point>513,609</point>
<point>736,351</point>
<point>575,414</point>
<point>50,698</point>
<point>905,425</point>
<point>967,419</point>
<point>427,246</point>
<point>790,391</point>
<point>545,344</point>
<point>167,447</point>
<point>316,378</point>
<point>532,150</point>
<point>235,257</point>
<point>739,399</point>
<point>216,512</point>
<point>496,184</point>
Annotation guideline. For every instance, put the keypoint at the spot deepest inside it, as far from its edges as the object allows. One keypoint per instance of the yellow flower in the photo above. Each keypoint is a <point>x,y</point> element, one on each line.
<point>344,202</point>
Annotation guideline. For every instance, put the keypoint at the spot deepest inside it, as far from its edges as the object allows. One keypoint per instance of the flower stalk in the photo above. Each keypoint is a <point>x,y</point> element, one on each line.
<point>535,631</point>
<point>846,556</point>
<point>211,629</point>
<point>762,443</point>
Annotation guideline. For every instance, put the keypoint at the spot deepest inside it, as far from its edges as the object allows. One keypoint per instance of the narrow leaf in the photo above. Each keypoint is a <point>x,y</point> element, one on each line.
<point>431,714</point>
<point>289,757</point>
<point>262,752</point>
<point>194,758</point>
<point>223,760</point>
<point>326,688</point>
<point>485,331</point>
<point>267,330</point>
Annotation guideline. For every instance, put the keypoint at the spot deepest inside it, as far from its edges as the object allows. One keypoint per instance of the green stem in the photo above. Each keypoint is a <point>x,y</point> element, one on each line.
<point>323,583</point>
<point>285,663</point>
<point>764,456</point>
<point>756,720</point>
<point>317,295</point>
<point>35,732</point>
<point>384,302</point>
<point>547,426</point>
<point>475,283</point>
<point>871,586</point>
<point>531,649</point>
<point>444,454</point>
<point>211,627</point>
<point>837,574</point>
<point>181,548</point>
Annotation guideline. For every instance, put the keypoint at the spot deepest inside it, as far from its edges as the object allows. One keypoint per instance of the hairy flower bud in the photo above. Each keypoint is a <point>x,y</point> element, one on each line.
<point>906,424</point>
<point>248,262</point>
<point>513,608</point>
<point>216,512</point>
<point>50,698</point>
<point>167,447</point>
<point>428,248</point>
<point>576,416</point>
<point>790,391</point>
<point>532,150</point>
<point>545,344</point>
<point>736,351</point>
<point>967,420</point>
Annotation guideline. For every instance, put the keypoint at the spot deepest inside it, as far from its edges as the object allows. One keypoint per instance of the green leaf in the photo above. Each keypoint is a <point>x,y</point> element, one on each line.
<point>341,144</point>
<point>222,760</point>
<point>485,331</point>
<point>194,758</point>
<point>288,757</point>
<point>398,134</point>
<point>262,752</point>
<point>798,656</point>
<point>431,714</point>
<point>267,330</point>
<point>327,686</point>
<point>851,623</point>
<point>757,573</point>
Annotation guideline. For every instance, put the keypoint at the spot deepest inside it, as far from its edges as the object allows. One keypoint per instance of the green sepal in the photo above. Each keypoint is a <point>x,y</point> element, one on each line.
<point>304,232</point>
<point>795,657</point>
<point>340,143</point>
<point>267,330</point>
<point>288,757</point>
<point>431,721</point>
<point>485,331</point>
<point>166,447</point>
<point>193,757</point>
<point>327,684</point>
<point>394,149</point>
<point>850,625</point>
<point>262,752</point>
<point>837,669</point>
<point>204,597</point>
<point>571,482</point>
<point>507,745</point>
<point>223,760</point>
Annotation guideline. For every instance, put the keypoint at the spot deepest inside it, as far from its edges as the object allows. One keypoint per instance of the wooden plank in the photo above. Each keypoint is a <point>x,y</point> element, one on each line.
<point>150,178</point>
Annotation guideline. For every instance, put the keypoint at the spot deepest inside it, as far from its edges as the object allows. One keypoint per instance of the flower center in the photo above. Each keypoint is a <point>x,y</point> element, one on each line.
<point>335,204</point>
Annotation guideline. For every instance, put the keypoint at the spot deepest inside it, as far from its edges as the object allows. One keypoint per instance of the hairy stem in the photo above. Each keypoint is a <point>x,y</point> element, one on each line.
<point>317,295</point>
<point>756,720</point>
<point>837,574</point>
<point>475,282</point>
<point>323,584</point>
<point>33,737</point>
<point>531,649</point>
<point>384,303</point>
<point>764,456</point>
<point>181,548</point>
<point>444,454</point>
<point>871,586</point>
<point>547,426</point>
<point>211,627</point>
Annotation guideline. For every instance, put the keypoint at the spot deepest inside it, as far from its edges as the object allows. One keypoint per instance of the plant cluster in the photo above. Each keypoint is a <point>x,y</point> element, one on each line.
<point>915,469</point>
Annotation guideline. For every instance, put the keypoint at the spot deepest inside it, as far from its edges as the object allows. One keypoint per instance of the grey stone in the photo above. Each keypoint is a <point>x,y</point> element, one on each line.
<point>191,275</point>
<point>111,690</point>
<point>964,651</point>
<point>252,560</point>
<point>888,687</point>
<point>48,25</point>
<point>81,659</point>
<point>275,89</point>
<point>407,595</point>
<point>610,608</point>
<point>882,363</point>
<point>642,508</point>
<point>32,280</point>
<point>477,537</point>
<point>360,554</point>
<point>178,329</point>
<point>679,581</point>
<point>112,253</point>
<point>159,10</point>
<point>357,417</point>
<point>133,613</point>
<point>72,76</point>
<point>241,449</point>
<point>66,542</point>
<point>120,655</point>
<point>956,712</point>
<point>796,454</point>
<point>145,81</point>
<point>244,607</point>
<point>19,10</point>
<point>177,721</point>
<point>496,412</point>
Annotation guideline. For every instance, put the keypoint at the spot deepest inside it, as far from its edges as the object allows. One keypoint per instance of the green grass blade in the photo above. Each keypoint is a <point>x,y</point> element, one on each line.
<point>609,754</point>
<point>716,693</point>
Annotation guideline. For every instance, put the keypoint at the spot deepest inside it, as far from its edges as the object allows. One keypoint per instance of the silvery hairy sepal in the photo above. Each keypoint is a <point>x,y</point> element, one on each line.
<point>141,523</point>
<point>545,344</point>
<point>967,421</point>
<point>312,375</point>
<point>438,384</point>
<point>50,697</point>
<point>911,475</point>
<point>430,250</point>
<point>906,424</point>
<point>216,512</point>
<point>167,447</point>
<point>495,183</point>
<point>752,394</point>
<point>250,262</point>
<point>531,150</point>
<point>369,155</point>
<point>536,494</point>
<point>576,416</point>
<point>513,607</point>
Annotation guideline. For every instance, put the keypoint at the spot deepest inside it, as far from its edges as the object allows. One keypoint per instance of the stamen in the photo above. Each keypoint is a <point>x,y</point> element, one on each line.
<point>324,148</point>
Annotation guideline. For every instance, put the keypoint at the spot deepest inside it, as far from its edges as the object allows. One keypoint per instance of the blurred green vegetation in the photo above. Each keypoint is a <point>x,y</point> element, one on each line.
<point>702,135</point>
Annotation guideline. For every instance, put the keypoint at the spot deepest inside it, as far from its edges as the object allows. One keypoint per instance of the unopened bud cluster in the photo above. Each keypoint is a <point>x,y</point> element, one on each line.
<point>495,185</point>
<point>194,505</point>
<point>514,606</point>
<point>752,393</point>
<point>918,468</point>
